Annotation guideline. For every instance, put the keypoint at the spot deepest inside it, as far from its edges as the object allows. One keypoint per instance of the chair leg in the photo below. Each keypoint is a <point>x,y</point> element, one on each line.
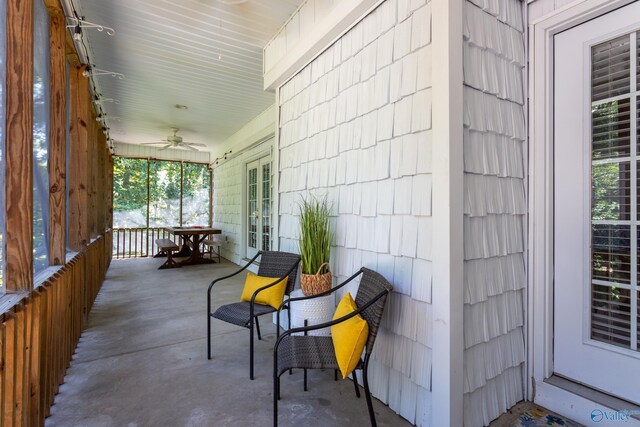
<point>208,335</point>
<point>276,396</point>
<point>367,392</point>
<point>251,350</point>
<point>355,383</point>
<point>258,329</point>
<point>335,375</point>
<point>305,380</point>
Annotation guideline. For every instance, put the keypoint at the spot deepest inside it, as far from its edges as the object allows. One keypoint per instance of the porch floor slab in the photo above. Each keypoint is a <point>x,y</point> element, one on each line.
<point>141,361</point>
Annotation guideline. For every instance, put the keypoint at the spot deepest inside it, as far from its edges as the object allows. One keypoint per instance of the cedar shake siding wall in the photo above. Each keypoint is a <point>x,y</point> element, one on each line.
<point>494,210</point>
<point>355,126</point>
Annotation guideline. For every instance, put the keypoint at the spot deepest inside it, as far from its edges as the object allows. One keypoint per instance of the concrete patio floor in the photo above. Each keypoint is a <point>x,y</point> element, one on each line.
<point>142,361</point>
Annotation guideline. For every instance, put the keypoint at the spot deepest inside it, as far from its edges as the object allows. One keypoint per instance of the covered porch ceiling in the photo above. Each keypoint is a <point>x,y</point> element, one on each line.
<point>204,54</point>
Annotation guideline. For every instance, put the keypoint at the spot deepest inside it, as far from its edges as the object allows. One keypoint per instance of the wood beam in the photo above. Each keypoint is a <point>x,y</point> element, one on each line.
<point>19,147</point>
<point>78,161</point>
<point>57,141</point>
<point>91,157</point>
<point>70,49</point>
<point>54,7</point>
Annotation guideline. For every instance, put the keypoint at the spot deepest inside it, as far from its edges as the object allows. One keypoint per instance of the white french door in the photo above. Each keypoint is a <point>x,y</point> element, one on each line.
<point>258,206</point>
<point>596,215</point>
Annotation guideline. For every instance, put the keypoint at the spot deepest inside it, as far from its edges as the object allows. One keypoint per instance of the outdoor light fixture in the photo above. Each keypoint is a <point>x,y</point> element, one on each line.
<point>98,99</point>
<point>78,23</point>
<point>224,157</point>
<point>77,33</point>
<point>92,71</point>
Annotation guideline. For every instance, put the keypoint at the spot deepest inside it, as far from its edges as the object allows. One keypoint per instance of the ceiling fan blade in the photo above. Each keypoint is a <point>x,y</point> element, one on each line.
<point>188,147</point>
<point>195,144</point>
<point>159,142</point>
<point>165,147</point>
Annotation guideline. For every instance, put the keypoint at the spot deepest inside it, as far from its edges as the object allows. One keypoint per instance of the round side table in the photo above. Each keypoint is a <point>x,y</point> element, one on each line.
<point>315,311</point>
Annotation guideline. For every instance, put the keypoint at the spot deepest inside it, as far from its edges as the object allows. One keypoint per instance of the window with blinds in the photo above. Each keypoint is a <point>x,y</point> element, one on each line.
<point>615,205</point>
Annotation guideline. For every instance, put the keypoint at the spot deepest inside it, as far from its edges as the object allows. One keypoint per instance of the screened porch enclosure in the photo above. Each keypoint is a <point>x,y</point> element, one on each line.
<point>149,195</point>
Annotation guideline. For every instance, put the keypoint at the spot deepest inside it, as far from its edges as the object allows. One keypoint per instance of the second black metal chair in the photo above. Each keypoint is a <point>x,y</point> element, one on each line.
<point>245,313</point>
<point>317,352</point>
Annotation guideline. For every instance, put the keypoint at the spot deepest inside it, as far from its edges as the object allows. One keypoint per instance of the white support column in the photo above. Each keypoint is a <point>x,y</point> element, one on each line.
<point>448,249</point>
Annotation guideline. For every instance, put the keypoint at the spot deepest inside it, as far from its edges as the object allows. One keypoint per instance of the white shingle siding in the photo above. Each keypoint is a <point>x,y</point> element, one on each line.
<point>494,208</point>
<point>227,200</point>
<point>355,124</point>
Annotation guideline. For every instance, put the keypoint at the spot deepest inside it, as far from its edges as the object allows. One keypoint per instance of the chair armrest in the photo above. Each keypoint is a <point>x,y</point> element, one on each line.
<point>233,274</point>
<point>330,291</point>
<point>328,324</point>
<point>278,280</point>
<point>226,277</point>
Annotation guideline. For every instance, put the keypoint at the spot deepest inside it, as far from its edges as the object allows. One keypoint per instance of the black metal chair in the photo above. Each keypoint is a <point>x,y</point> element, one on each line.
<point>317,352</point>
<point>272,264</point>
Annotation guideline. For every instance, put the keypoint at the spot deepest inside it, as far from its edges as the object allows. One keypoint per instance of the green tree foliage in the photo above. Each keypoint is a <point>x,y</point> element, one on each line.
<point>129,184</point>
<point>130,196</point>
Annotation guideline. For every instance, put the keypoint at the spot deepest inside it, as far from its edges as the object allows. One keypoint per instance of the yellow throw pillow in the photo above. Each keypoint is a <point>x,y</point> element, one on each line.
<point>349,337</point>
<point>272,296</point>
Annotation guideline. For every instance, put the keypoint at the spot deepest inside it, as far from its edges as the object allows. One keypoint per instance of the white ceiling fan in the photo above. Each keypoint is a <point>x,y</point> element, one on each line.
<point>175,141</point>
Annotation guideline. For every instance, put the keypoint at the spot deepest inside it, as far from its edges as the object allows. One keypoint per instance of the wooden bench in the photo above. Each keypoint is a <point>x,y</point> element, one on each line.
<point>167,246</point>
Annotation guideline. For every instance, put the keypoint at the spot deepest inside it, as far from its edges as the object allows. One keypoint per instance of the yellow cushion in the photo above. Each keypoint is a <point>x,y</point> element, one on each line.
<point>349,337</point>
<point>272,296</point>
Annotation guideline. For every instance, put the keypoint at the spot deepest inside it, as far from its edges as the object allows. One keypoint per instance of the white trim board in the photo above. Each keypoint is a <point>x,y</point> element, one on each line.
<point>540,226</point>
<point>562,401</point>
<point>448,248</point>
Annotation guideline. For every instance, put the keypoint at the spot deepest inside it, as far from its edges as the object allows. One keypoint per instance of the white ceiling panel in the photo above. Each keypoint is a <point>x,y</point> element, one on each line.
<point>205,54</point>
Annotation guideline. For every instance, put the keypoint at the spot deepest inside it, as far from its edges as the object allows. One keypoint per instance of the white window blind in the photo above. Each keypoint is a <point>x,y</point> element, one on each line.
<point>615,296</point>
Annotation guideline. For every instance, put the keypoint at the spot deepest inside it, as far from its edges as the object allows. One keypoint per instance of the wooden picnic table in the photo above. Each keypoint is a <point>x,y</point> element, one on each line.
<point>192,237</point>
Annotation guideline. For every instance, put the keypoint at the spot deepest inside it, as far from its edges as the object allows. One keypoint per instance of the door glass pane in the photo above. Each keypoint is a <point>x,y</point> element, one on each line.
<point>611,196</point>
<point>614,193</point>
<point>610,66</point>
<point>637,47</point>
<point>266,207</point>
<point>611,254</point>
<point>610,315</point>
<point>164,200</point>
<point>611,129</point>
<point>195,194</point>
<point>40,137</point>
<point>252,208</point>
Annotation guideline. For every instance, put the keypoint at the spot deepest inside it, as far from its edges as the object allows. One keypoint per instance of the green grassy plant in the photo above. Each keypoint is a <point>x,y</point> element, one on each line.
<point>315,234</point>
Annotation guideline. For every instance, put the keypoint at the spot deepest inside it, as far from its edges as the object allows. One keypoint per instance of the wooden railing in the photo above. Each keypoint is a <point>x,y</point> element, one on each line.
<point>139,242</point>
<point>39,331</point>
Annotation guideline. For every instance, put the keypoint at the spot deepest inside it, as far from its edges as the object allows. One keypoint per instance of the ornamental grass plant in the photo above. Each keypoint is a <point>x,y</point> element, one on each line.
<point>315,244</point>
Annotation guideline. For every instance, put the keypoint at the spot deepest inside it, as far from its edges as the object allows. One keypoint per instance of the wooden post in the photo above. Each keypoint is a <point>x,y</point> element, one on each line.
<point>181,188</point>
<point>78,167</point>
<point>94,128</point>
<point>210,197</point>
<point>57,141</point>
<point>19,147</point>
